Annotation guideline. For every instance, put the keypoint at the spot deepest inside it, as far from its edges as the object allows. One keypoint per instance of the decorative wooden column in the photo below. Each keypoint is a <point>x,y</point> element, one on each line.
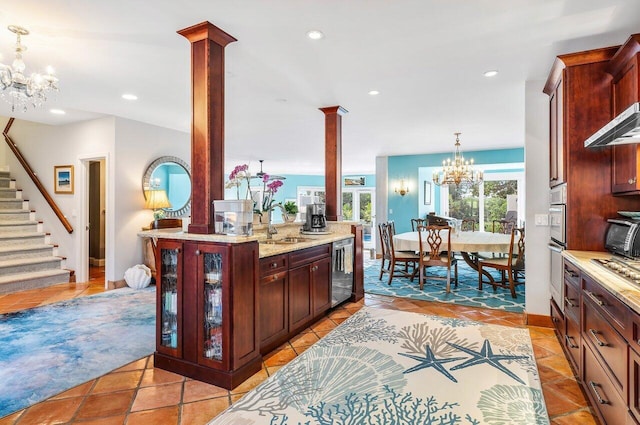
<point>207,121</point>
<point>333,161</point>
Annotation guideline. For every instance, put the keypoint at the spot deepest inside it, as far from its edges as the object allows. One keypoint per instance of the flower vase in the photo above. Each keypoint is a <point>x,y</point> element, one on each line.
<point>257,219</point>
<point>266,217</point>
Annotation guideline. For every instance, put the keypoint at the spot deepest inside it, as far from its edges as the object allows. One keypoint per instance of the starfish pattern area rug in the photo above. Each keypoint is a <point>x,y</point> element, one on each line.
<point>391,367</point>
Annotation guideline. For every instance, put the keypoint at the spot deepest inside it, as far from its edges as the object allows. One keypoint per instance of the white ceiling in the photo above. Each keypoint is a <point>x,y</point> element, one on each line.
<point>426,57</point>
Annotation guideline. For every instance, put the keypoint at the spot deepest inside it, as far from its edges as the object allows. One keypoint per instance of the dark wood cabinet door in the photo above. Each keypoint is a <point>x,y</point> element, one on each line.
<point>556,148</point>
<point>607,402</point>
<point>300,306</point>
<point>634,383</point>
<point>321,277</point>
<point>625,157</point>
<point>169,294</point>
<point>273,305</point>
<point>212,293</point>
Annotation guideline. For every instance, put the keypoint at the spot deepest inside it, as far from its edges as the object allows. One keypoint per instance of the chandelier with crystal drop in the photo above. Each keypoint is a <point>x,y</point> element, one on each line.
<point>457,171</point>
<point>17,89</point>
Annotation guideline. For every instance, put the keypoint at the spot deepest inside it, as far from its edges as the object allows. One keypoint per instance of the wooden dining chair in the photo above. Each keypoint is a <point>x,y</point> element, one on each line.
<point>415,222</point>
<point>468,225</point>
<point>509,266</point>
<point>432,254</point>
<point>392,258</point>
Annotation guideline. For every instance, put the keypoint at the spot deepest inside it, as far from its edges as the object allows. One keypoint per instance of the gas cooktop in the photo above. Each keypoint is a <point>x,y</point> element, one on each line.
<point>626,268</point>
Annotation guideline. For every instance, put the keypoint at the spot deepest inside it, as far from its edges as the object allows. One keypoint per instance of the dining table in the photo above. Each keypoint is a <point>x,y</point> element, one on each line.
<point>472,246</point>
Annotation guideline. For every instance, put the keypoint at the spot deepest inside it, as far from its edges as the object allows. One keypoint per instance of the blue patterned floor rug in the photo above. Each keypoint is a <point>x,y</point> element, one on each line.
<point>395,367</point>
<point>49,349</point>
<point>466,294</point>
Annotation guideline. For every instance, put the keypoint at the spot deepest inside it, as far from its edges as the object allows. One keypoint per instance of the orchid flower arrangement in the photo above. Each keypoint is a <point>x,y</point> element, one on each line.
<point>239,173</point>
<point>269,189</point>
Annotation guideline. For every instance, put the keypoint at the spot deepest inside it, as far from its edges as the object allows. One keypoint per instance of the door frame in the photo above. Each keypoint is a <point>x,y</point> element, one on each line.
<point>82,178</point>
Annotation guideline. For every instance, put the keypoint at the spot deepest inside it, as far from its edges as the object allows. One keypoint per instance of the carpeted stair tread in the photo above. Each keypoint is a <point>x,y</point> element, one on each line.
<point>13,211</point>
<point>17,222</point>
<point>28,261</point>
<point>4,236</point>
<point>34,276</point>
<point>25,247</point>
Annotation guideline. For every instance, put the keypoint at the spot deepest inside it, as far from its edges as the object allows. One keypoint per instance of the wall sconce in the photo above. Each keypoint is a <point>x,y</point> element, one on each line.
<point>403,189</point>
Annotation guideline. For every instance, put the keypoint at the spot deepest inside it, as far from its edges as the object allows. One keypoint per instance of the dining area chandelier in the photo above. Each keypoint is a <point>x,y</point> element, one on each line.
<point>457,171</point>
<point>18,89</point>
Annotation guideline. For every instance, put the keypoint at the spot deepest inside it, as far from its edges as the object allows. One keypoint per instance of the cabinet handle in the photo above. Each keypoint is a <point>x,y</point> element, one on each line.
<point>569,302</point>
<point>274,265</point>
<point>198,252</point>
<point>594,388</point>
<point>314,268</point>
<point>569,340</point>
<point>554,319</point>
<point>177,250</point>
<point>572,273</point>
<point>594,298</point>
<point>632,180</point>
<point>594,333</point>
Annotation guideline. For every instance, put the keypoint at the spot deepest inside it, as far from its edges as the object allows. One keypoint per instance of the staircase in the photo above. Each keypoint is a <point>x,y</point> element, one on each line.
<point>27,258</point>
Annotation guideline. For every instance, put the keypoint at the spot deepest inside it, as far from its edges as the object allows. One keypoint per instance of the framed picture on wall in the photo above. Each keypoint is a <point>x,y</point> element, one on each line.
<point>354,181</point>
<point>427,193</point>
<point>63,179</point>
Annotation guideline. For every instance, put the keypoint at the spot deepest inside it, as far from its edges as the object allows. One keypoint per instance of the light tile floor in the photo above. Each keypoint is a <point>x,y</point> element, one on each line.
<point>138,393</point>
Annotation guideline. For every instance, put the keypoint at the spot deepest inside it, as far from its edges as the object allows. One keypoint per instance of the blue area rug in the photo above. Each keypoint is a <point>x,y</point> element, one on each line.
<point>49,349</point>
<point>394,367</point>
<point>467,292</point>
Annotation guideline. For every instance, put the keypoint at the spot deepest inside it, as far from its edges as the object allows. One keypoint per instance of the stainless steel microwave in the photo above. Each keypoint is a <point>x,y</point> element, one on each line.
<point>623,237</point>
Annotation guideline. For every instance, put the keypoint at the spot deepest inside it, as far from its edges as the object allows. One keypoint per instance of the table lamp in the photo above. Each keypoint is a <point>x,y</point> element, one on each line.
<point>157,200</point>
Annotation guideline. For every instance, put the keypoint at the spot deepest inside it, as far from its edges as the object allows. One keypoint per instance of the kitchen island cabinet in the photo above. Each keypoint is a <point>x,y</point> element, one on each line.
<point>212,322</point>
<point>273,300</point>
<point>293,297</point>
<point>223,301</point>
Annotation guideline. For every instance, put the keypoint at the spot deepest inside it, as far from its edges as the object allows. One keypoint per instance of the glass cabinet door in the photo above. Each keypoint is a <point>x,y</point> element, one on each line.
<point>168,299</point>
<point>212,290</point>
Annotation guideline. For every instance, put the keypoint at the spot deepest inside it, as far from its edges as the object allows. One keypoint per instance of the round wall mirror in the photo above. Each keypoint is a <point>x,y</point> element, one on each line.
<point>172,175</point>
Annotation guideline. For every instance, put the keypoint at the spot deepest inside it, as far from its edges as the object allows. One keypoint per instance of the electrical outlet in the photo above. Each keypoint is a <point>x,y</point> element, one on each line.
<point>542,219</point>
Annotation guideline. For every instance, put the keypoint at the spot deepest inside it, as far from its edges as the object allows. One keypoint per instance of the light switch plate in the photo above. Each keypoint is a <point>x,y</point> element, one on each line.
<point>542,219</point>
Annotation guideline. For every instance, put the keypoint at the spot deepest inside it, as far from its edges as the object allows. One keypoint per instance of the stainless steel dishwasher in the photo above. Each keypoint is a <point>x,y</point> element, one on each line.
<point>342,271</point>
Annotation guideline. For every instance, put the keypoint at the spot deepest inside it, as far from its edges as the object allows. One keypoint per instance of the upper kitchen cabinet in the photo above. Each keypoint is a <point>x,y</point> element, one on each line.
<point>579,92</point>
<point>623,67</point>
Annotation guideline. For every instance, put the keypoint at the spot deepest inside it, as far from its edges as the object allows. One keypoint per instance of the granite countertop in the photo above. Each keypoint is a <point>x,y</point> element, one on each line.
<point>265,249</point>
<point>619,287</point>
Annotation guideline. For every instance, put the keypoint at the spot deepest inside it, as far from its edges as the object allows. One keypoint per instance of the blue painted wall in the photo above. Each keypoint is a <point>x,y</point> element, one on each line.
<point>406,167</point>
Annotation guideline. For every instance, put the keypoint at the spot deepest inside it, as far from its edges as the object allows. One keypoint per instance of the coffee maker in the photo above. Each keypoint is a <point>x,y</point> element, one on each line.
<point>316,220</point>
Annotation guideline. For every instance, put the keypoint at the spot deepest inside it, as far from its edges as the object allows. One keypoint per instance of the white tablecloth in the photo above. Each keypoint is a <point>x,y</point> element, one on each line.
<point>462,242</point>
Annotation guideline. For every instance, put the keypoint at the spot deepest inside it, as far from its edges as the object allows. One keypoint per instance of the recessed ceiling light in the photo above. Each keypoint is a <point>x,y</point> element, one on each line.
<point>57,111</point>
<point>374,92</point>
<point>129,96</point>
<point>315,34</point>
<point>491,73</point>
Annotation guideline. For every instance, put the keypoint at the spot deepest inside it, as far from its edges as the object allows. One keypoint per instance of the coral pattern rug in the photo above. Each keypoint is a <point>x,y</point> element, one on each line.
<point>49,349</point>
<point>392,367</point>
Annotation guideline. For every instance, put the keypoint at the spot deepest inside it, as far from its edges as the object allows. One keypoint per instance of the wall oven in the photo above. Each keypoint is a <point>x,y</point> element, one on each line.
<point>557,241</point>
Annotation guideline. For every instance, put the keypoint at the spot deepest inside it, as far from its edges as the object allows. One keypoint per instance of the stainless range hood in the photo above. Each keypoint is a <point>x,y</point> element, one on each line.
<point>623,129</point>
